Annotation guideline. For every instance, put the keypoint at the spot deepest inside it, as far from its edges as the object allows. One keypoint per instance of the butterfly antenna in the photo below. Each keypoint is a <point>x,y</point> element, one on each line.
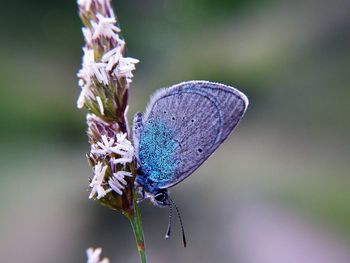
<point>182,226</point>
<point>167,235</point>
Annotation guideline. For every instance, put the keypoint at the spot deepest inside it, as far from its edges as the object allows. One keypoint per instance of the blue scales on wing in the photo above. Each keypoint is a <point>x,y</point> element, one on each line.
<point>157,151</point>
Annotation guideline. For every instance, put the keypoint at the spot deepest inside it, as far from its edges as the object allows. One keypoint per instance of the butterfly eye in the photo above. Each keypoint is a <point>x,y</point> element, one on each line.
<point>160,197</point>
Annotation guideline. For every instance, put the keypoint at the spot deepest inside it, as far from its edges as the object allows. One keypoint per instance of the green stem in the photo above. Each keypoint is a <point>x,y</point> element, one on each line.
<point>136,223</point>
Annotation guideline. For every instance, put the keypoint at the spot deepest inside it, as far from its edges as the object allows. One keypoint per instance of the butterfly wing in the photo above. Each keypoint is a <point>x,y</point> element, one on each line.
<point>183,125</point>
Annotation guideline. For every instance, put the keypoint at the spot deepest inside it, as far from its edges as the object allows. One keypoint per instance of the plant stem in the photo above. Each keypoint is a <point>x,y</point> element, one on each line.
<point>136,223</point>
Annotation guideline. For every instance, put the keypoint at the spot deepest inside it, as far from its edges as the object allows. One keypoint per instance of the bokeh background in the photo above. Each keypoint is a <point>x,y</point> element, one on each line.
<point>276,191</point>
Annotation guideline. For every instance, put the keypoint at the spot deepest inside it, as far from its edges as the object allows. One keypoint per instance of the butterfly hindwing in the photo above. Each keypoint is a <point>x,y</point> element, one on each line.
<point>182,127</point>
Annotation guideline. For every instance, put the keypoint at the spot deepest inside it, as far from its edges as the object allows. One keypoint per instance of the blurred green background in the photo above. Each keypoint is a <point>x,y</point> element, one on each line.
<point>276,191</point>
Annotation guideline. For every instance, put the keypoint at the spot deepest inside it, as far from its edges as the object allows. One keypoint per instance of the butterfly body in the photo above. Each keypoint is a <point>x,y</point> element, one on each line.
<point>181,127</point>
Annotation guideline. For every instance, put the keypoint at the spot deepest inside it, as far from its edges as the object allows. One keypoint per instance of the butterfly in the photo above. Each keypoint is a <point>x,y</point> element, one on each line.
<point>181,127</point>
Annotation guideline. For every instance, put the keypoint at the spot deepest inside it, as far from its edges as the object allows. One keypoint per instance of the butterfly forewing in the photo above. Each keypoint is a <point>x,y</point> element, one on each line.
<point>183,125</point>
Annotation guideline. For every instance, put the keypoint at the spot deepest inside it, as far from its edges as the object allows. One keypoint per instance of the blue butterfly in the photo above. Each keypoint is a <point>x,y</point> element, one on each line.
<point>181,127</point>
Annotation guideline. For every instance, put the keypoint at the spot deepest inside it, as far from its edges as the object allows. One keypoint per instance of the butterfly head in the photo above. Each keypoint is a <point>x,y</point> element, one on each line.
<point>148,189</point>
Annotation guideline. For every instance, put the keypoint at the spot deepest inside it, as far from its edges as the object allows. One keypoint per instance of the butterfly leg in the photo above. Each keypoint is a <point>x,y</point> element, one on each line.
<point>141,195</point>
